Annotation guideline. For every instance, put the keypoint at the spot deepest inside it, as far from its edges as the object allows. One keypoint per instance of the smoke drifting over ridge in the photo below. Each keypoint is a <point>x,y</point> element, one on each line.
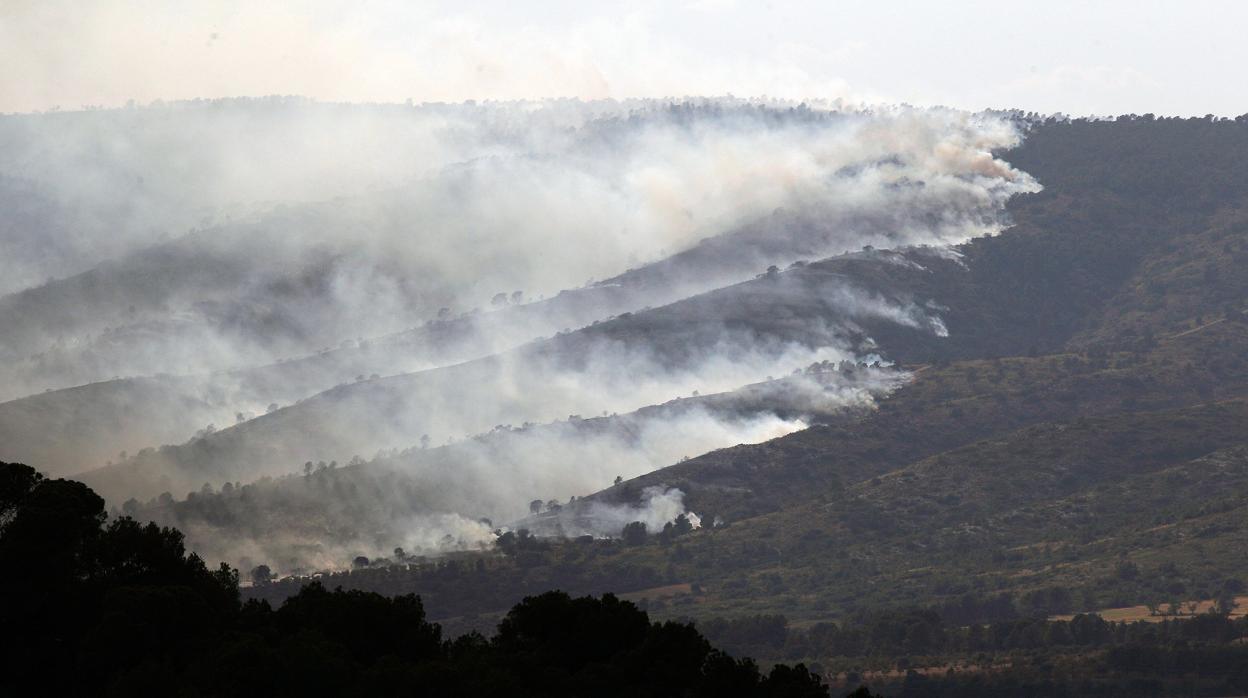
<point>354,221</point>
<point>708,343</point>
<point>359,227</point>
<point>431,500</point>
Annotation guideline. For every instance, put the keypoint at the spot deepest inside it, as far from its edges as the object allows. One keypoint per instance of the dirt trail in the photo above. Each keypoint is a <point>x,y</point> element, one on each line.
<point>1196,329</point>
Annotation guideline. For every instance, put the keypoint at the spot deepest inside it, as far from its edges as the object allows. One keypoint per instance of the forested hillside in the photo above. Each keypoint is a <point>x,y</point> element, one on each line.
<point>1076,443</point>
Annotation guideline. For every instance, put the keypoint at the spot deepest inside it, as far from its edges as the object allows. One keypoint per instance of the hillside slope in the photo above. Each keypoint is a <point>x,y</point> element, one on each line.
<point>1076,442</point>
<point>712,342</point>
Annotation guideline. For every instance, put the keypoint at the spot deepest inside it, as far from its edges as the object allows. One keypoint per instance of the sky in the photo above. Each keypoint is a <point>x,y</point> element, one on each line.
<point>1079,58</point>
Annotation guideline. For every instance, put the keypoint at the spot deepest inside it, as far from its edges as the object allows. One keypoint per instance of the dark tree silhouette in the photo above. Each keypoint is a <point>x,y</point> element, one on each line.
<point>261,574</point>
<point>120,608</point>
<point>634,533</point>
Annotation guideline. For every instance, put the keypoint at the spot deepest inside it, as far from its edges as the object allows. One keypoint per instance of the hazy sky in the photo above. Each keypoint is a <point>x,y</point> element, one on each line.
<point>1104,57</point>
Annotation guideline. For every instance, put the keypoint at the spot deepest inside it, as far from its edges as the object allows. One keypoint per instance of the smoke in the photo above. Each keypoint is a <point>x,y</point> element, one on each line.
<point>438,273</point>
<point>432,207</point>
<point>658,506</point>
<point>498,477</point>
<point>349,222</point>
<point>707,344</point>
<point>352,227</point>
<point>439,499</point>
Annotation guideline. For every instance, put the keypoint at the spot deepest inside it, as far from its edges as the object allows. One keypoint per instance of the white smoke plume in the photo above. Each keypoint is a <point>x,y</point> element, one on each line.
<point>658,506</point>
<point>331,223</point>
<point>434,500</point>
<point>364,241</point>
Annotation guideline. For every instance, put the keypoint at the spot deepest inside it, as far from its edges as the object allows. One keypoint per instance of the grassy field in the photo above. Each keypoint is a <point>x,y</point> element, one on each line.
<point>1143,613</point>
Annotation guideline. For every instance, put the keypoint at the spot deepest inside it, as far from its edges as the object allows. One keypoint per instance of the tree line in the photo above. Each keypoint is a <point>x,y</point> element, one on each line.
<point>100,607</point>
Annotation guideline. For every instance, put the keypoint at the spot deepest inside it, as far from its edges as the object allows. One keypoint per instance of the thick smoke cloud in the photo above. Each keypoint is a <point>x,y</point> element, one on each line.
<point>436,249</point>
<point>352,222</point>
